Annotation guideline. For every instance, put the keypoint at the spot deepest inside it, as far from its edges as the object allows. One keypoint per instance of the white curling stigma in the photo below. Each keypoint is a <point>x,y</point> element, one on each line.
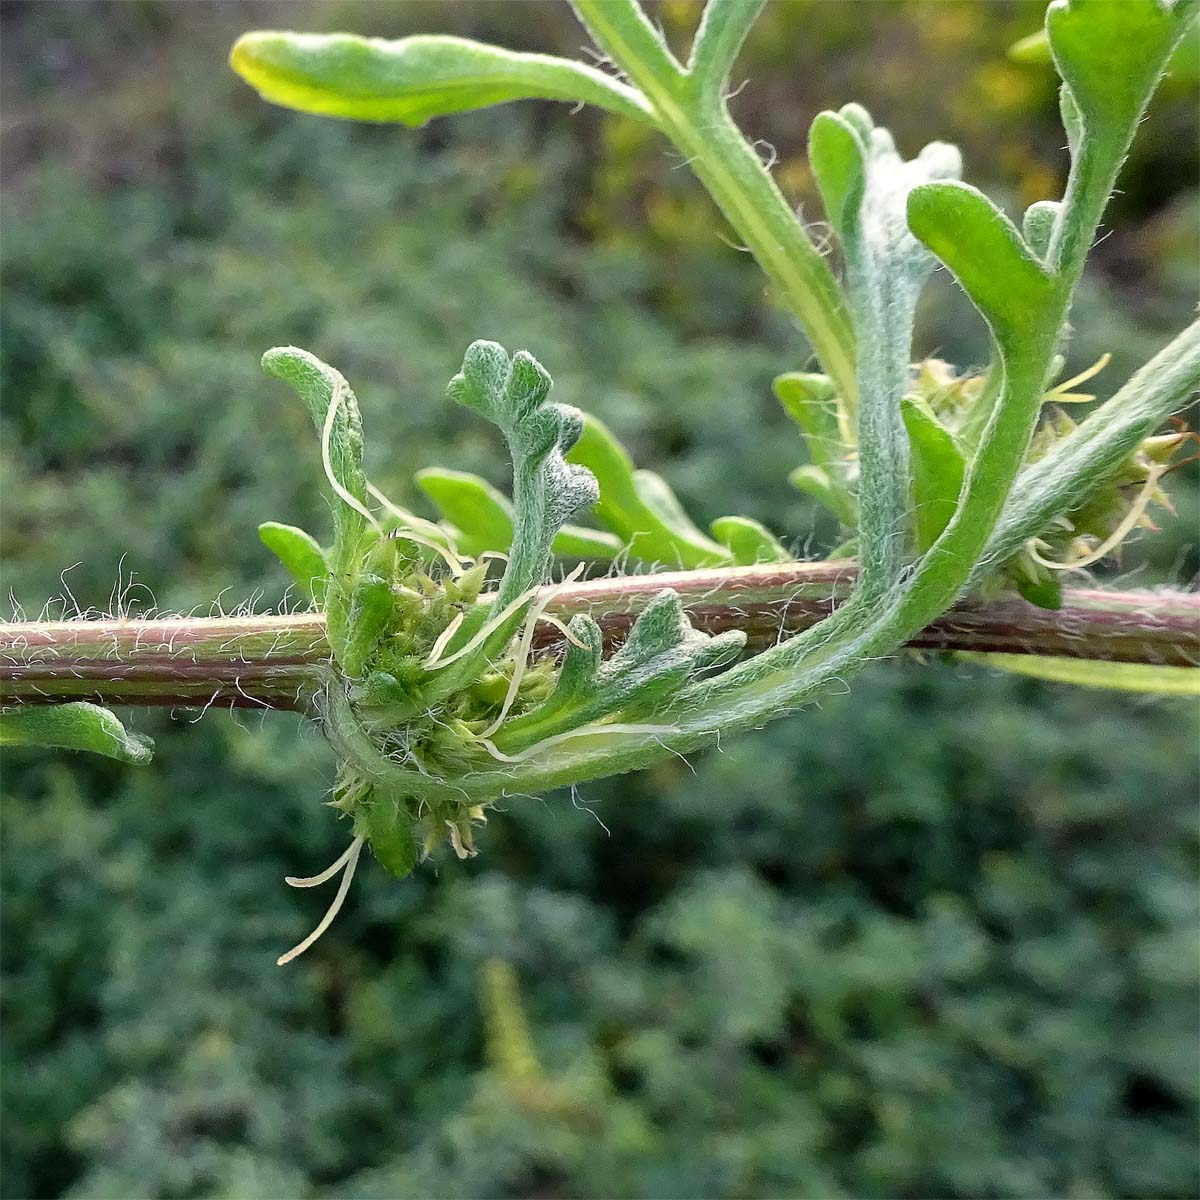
<point>307,881</point>
<point>562,628</point>
<point>443,638</point>
<point>1118,535</point>
<point>335,402</point>
<point>455,562</point>
<point>432,664</point>
<point>348,860</point>
<point>526,643</point>
<point>583,731</point>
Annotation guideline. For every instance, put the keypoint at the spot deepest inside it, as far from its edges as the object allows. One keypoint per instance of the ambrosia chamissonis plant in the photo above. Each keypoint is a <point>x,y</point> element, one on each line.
<point>443,695</point>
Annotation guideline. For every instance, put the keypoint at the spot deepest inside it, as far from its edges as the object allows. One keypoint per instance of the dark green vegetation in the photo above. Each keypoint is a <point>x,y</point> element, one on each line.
<point>934,938</point>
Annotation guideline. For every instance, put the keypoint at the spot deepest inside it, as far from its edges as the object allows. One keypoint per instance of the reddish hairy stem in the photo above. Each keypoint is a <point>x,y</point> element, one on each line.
<point>279,661</point>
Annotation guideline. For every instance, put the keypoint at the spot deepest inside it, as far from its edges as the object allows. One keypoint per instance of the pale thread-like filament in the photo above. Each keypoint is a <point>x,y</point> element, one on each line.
<point>443,638</point>
<point>569,735</point>
<point>1118,535</point>
<point>335,402</point>
<point>436,664</point>
<point>523,648</point>
<point>348,861</point>
<point>1061,392</point>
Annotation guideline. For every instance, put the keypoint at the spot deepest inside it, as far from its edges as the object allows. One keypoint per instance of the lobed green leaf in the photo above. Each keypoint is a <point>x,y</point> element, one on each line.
<point>661,652</point>
<point>513,394</point>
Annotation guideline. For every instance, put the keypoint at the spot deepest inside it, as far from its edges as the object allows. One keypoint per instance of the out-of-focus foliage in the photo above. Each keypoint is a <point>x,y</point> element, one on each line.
<point>934,938</point>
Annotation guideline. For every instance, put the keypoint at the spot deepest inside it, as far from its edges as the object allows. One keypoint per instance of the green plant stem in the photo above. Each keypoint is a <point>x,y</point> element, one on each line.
<point>281,661</point>
<point>723,28</point>
<point>697,120</point>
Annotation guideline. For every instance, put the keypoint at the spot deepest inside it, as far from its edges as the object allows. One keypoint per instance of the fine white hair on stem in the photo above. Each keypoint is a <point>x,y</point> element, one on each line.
<point>335,402</point>
<point>348,860</point>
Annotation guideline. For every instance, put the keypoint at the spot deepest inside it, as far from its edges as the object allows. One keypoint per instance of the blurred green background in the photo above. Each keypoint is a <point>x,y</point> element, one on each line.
<point>934,937</point>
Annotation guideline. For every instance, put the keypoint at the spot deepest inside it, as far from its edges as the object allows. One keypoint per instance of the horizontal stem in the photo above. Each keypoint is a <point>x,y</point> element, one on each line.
<point>279,661</point>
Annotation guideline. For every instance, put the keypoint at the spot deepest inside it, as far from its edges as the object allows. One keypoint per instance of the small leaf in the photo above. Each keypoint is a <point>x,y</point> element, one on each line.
<point>661,652</point>
<point>317,384</point>
<point>1033,48</point>
<point>814,482</point>
<point>1118,676</point>
<point>546,489</point>
<point>371,608</point>
<point>1038,224</point>
<point>811,401</point>
<point>300,554</point>
<point>483,516</point>
<point>578,541</point>
<point>391,838</point>
<point>1042,592</point>
<point>987,255</point>
<point>77,726</point>
<point>748,541</point>
<point>658,498</point>
<point>937,467</point>
<point>481,513</point>
<point>836,153</point>
<point>639,507</point>
<point>414,79</point>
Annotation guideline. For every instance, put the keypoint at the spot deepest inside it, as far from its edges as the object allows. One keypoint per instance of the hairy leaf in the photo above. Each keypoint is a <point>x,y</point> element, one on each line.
<point>988,256</point>
<point>77,726</point>
<point>369,617</point>
<point>301,554</point>
<point>660,653</point>
<point>1110,54</point>
<point>748,541</point>
<point>318,384</point>
<point>413,79</point>
<point>512,394</point>
<point>865,185</point>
